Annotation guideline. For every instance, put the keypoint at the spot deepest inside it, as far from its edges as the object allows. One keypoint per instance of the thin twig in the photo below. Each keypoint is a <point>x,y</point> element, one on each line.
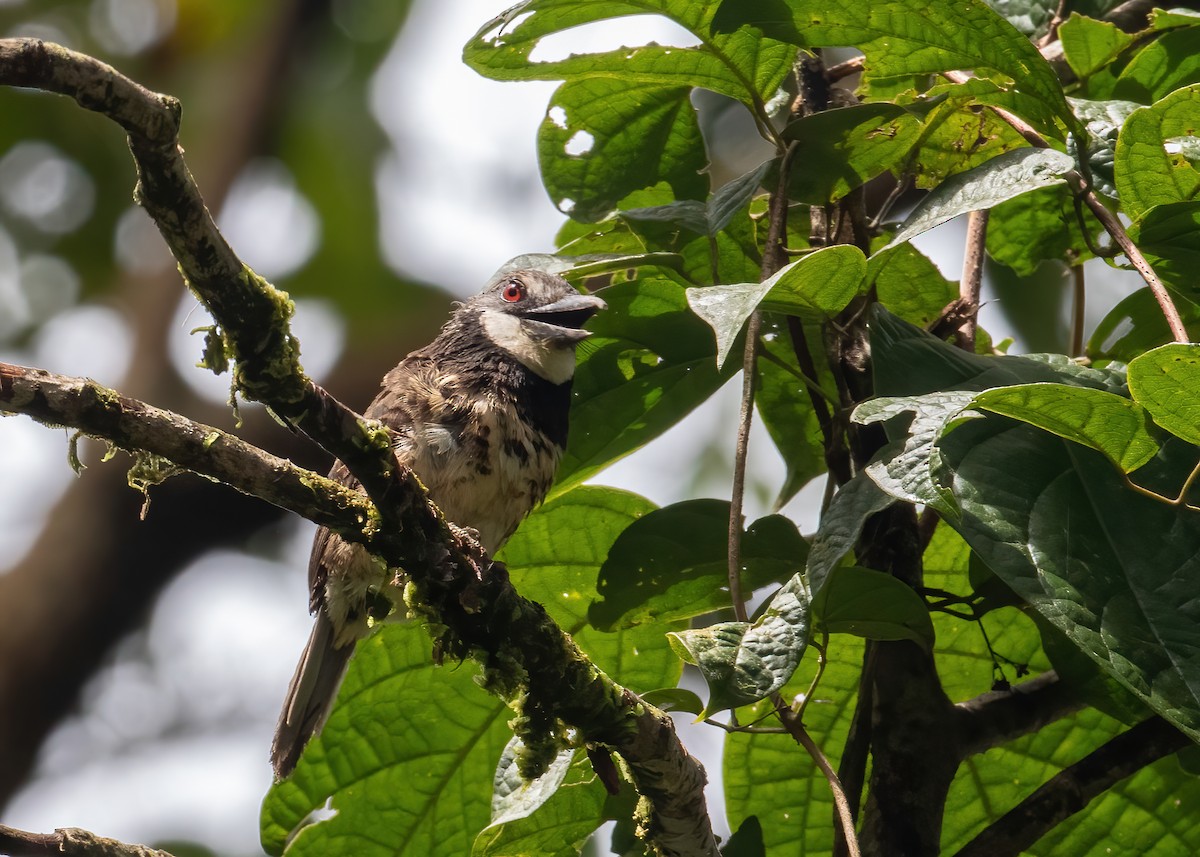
<point>971,284</point>
<point>796,729</point>
<point>69,841</point>
<point>1078,306</point>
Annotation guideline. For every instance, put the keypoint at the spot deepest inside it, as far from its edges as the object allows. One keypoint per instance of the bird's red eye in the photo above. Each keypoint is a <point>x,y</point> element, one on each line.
<point>513,291</point>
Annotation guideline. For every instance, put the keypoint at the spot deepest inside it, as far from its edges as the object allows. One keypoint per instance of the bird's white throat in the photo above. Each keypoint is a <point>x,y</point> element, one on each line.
<point>554,363</point>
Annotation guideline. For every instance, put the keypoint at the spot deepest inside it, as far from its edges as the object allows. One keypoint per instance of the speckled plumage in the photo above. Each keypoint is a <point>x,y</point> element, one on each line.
<point>480,415</point>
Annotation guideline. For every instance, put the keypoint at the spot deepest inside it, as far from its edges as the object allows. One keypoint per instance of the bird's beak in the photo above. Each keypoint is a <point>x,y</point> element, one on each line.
<point>564,319</point>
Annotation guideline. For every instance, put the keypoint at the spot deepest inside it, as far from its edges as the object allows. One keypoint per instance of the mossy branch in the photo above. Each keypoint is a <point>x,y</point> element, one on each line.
<point>458,589</point>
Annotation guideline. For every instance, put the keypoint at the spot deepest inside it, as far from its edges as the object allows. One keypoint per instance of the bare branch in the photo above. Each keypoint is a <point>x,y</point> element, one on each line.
<point>971,285</point>
<point>1075,787</point>
<point>999,716</point>
<point>69,841</point>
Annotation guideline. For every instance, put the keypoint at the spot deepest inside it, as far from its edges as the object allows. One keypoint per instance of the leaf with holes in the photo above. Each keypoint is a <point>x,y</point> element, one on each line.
<point>1147,174</point>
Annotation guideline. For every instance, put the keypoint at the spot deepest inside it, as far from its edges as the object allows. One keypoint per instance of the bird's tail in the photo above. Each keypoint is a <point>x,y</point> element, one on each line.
<point>310,695</point>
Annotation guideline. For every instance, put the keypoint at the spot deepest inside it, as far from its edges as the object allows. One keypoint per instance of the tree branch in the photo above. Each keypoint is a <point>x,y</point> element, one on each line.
<point>1070,790</point>
<point>457,587</point>
<point>999,716</point>
<point>69,841</point>
<point>971,285</point>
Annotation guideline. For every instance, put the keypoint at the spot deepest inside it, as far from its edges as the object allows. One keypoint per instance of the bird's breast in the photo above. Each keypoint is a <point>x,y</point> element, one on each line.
<point>486,469</point>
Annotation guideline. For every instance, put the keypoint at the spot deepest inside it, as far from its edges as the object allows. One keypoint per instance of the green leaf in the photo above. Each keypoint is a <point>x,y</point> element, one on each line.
<point>399,771</point>
<point>1108,423</point>
<point>1166,64</point>
<point>648,362</point>
<point>705,218</point>
<point>1135,325</point>
<point>912,470</point>
<point>1146,173</point>
<point>740,64</point>
<point>819,284</point>
<point>1089,45</point>
<point>1037,227</point>
<point>673,564</point>
<point>1103,121</point>
<point>794,804</point>
<point>1166,381</point>
<point>591,158</point>
<point>1056,523</point>
<point>1089,554</point>
<point>568,801</point>
<point>674,699</point>
<point>900,39</point>
<point>403,779</point>
<point>1169,236</point>
<point>841,525</point>
<point>908,283</point>
<point>845,148</point>
<point>1003,177</point>
<point>743,662</point>
<point>873,605</point>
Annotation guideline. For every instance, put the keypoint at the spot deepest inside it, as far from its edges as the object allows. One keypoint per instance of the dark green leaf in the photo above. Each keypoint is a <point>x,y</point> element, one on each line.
<point>841,525</point>
<point>648,362</point>
<point>1166,381</point>
<point>1003,177</point>
<point>909,284</point>
<point>674,699</point>
<point>1036,227</point>
<point>873,605</point>
<point>1169,235</point>
<point>747,840</point>
<point>1111,424</point>
<point>673,564</point>
<point>1146,173</point>
<point>743,662</point>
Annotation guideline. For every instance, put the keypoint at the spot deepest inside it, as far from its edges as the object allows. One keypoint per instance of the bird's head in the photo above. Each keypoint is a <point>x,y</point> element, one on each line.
<point>537,318</point>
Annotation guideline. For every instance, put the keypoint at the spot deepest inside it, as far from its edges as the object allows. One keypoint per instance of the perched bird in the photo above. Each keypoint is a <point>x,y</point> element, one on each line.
<point>480,415</point>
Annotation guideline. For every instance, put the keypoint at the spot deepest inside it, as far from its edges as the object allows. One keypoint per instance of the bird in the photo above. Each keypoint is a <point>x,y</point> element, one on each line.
<point>480,416</point>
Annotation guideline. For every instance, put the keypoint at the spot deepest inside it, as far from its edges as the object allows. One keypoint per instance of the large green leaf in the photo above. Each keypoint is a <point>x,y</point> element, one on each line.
<point>591,158</point>
<point>673,564</point>
<point>1169,236</point>
<point>1110,568</point>
<point>1147,174</point>
<point>901,38</point>
<point>740,64</point>
<point>1038,226</point>
<point>648,362</point>
<point>743,662</point>
<point>873,605</point>
<point>1113,425</point>
<point>1002,178</point>
<point>909,285</point>
<point>405,778</point>
<point>841,525</point>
